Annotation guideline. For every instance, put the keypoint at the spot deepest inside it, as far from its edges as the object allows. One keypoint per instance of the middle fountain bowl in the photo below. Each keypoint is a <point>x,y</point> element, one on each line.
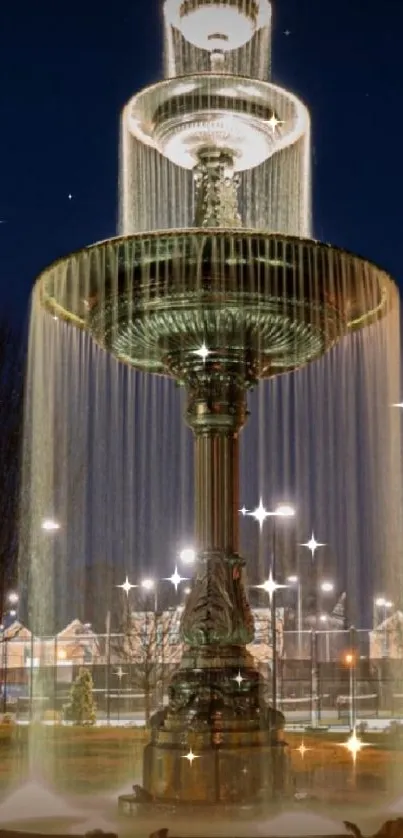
<point>263,304</point>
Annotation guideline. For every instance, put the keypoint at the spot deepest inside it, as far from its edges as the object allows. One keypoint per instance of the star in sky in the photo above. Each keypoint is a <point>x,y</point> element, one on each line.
<point>127,586</point>
<point>176,578</point>
<point>313,545</point>
<point>270,586</point>
<point>69,196</point>
<point>203,352</point>
<point>287,32</point>
<point>190,757</point>
<point>239,680</point>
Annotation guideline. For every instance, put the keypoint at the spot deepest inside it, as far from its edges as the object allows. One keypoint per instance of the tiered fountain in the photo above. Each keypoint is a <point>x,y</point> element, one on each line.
<point>216,284</point>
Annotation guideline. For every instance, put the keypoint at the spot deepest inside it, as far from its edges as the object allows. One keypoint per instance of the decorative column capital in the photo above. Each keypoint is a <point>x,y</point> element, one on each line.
<point>217,610</point>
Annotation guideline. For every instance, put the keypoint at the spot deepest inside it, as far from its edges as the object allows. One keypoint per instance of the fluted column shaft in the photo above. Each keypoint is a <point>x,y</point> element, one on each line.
<point>217,611</point>
<point>217,491</point>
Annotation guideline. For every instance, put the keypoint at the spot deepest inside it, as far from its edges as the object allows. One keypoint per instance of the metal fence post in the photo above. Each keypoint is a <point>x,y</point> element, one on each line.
<point>54,677</point>
<point>353,676</point>
<point>31,678</point>
<point>5,662</point>
<point>108,663</point>
<point>314,680</point>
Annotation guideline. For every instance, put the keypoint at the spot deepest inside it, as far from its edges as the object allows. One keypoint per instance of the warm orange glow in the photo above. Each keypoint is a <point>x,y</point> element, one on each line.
<point>61,654</point>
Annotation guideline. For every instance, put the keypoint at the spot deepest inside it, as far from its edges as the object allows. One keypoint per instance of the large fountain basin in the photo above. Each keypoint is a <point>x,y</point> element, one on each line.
<point>262,303</point>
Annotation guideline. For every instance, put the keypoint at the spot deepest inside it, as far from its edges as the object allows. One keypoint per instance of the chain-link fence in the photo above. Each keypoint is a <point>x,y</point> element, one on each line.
<point>327,677</point>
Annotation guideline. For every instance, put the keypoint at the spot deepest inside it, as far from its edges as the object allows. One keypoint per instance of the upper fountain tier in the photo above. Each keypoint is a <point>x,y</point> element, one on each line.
<point>231,36</point>
<point>249,121</point>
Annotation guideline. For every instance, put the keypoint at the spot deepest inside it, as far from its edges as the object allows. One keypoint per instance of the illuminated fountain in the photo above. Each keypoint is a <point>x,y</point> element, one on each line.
<point>216,284</point>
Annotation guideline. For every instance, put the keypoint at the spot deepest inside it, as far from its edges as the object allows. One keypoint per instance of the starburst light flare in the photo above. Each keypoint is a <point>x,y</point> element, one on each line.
<point>313,545</point>
<point>191,757</point>
<point>203,352</point>
<point>274,122</point>
<point>354,745</point>
<point>126,586</point>
<point>302,750</point>
<point>176,579</point>
<point>120,673</point>
<point>270,586</point>
<point>260,513</point>
<point>239,679</point>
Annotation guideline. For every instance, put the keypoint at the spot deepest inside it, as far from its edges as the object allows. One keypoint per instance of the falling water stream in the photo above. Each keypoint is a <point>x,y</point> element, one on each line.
<point>106,451</point>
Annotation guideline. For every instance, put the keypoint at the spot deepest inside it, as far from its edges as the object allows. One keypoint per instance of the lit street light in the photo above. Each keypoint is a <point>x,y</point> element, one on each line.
<point>149,585</point>
<point>50,525</point>
<point>324,619</point>
<point>327,587</point>
<point>12,598</point>
<point>349,660</point>
<point>188,555</point>
<point>385,605</point>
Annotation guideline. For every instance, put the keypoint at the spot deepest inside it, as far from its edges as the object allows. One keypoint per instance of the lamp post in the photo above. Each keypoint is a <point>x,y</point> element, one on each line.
<point>119,674</point>
<point>324,620</point>
<point>381,602</point>
<point>349,659</point>
<point>295,580</point>
<point>270,586</point>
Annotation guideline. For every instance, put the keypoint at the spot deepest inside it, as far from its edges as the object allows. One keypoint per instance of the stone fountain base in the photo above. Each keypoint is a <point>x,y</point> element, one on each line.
<point>217,742</point>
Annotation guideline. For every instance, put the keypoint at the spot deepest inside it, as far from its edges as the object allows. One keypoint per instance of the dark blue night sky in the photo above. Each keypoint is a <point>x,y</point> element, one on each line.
<point>67,70</point>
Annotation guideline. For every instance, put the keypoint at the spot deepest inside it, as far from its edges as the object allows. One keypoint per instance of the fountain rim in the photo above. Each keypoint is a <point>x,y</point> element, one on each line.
<point>239,232</point>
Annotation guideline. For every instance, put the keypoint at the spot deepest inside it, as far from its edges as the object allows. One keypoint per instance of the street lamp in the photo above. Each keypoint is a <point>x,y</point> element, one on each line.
<point>324,619</point>
<point>50,525</point>
<point>381,602</point>
<point>295,580</point>
<point>327,587</point>
<point>188,555</point>
<point>12,598</point>
<point>385,605</point>
<point>149,585</point>
<point>349,660</point>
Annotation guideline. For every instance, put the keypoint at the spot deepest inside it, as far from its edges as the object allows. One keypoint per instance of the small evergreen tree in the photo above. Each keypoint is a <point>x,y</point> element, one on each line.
<point>81,708</point>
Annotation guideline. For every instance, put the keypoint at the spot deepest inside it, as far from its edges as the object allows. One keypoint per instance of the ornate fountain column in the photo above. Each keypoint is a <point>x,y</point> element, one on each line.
<point>217,709</point>
<point>217,613</point>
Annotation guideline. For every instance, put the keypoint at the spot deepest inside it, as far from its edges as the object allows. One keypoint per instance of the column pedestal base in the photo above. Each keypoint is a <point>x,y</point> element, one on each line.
<point>217,742</point>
